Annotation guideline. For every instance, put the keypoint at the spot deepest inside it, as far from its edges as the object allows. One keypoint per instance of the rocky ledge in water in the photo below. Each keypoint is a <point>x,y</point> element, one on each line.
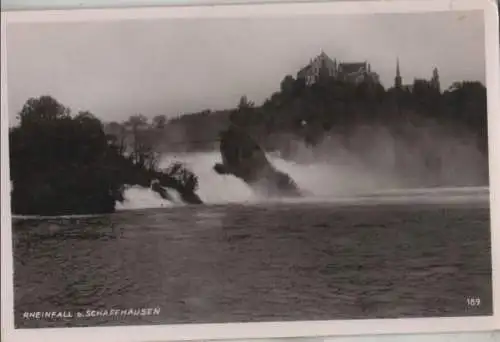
<point>243,158</point>
<point>178,178</point>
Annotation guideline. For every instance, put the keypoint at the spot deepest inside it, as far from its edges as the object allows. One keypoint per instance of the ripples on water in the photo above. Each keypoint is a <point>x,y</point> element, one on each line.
<point>259,262</point>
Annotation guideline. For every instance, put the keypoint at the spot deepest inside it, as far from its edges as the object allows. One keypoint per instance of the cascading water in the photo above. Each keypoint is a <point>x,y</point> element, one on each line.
<point>213,188</point>
<point>322,181</point>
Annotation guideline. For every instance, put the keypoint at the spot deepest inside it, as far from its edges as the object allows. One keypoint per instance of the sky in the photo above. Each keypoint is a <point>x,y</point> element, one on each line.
<point>177,66</point>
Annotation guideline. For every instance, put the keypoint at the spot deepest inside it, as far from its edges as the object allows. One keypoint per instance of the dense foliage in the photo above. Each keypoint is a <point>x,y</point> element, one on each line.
<point>63,164</point>
<point>309,113</point>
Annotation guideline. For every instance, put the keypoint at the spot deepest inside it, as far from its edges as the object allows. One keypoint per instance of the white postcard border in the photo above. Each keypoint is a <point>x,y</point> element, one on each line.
<point>268,329</point>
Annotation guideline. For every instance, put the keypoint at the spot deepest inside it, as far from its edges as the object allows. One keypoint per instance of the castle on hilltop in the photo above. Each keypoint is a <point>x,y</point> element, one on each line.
<point>358,72</point>
<point>323,65</point>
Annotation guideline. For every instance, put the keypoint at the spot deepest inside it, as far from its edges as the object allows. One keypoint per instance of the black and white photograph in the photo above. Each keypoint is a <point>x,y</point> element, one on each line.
<point>172,170</point>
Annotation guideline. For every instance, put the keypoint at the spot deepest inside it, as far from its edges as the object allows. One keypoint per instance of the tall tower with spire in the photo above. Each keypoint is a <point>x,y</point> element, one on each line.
<point>398,82</point>
<point>435,80</point>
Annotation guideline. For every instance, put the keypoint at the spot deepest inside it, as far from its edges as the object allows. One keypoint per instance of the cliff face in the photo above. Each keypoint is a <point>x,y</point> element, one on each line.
<point>243,158</point>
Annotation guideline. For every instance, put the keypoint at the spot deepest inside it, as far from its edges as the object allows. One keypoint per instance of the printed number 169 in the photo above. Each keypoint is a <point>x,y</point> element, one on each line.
<point>473,301</point>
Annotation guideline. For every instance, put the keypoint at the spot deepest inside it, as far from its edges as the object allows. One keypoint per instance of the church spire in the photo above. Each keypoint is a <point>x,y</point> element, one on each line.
<point>398,80</point>
<point>435,79</point>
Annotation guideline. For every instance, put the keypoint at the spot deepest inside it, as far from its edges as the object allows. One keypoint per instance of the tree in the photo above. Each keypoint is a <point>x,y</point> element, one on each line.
<point>159,121</point>
<point>465,104</point>
<point>70,165</point>
<point>117,135</point>
<point>287,85</point>
<point>137,124</point>
<point>182,174</point>
<point>60,164</point>
<point>43,108</point>
<point>91,124</point>
<point>245,103</point>
<point>240,116</point>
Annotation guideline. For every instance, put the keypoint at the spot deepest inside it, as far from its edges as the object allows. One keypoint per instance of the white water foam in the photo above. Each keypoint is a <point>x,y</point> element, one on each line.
<point>323,182</point>
<point>137,197</point>
<point>213,188</point>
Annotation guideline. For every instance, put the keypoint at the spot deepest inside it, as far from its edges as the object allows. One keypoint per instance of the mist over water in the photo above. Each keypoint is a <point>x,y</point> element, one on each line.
<point>137,197</point>
<point>366,160</point>
<point>213,188</point>
<point>373,158</point>
<point>340,177</point>
<point>321,180</point>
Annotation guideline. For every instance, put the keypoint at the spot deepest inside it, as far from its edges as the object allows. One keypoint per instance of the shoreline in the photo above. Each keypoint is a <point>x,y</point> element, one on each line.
<point>433,196</point>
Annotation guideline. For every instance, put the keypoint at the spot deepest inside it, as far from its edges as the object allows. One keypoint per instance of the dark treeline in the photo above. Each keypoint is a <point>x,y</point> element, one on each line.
<point>309,113</point>
<point>416,120</point>
<point>75,164</point>
<point>64,164</point>
<point>186,133</point>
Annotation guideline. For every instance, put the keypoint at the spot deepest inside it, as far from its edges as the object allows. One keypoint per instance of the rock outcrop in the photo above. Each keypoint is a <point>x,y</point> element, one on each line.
<point>243,158</point>
<point>163,182</point>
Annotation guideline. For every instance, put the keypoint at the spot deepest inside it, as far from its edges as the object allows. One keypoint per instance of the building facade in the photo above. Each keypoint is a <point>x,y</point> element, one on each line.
<point>323,66</point>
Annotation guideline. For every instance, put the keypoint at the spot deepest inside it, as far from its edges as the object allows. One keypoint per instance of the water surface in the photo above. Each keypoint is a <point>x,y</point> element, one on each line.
<point>258,262</point>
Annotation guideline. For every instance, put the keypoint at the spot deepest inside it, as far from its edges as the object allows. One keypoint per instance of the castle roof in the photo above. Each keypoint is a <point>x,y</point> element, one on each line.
<point>350,68</point>
<point>304,69</point>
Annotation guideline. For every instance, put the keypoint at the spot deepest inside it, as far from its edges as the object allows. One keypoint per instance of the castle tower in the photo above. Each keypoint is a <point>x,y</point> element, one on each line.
<point>323,72</point>
<point>398,82</point>
<point>435,80</point>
